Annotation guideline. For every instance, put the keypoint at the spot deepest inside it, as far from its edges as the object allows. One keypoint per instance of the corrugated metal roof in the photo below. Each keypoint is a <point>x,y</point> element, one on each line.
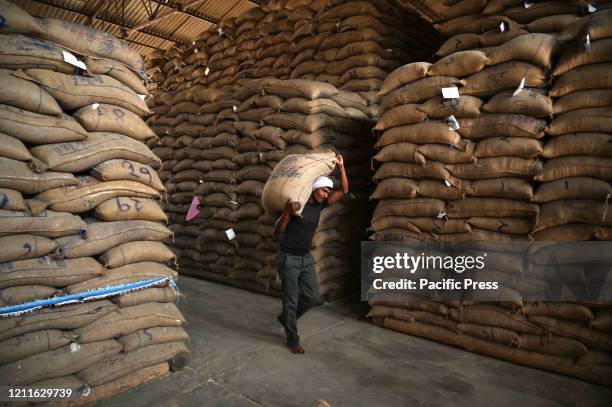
<point>115,16</point>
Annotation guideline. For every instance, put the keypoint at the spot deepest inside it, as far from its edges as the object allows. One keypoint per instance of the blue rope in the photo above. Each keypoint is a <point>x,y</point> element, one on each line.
<point>15,310</point>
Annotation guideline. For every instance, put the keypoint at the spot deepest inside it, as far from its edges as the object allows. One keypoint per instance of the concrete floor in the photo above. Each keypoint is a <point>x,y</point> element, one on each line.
<point>238,359</point>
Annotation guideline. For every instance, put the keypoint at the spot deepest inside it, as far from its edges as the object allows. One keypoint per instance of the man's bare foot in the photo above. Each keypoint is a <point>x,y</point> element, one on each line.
<point>296,349</point>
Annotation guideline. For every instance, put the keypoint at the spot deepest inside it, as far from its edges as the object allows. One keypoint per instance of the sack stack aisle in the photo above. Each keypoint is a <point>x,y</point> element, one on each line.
<point>80,216</point>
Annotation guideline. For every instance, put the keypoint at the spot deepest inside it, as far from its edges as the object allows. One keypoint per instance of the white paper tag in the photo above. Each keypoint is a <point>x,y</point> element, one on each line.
<point>450,93</point>
<point>74,347</point>
<point>453,123</point>
<point>206,71</point>
<point>448,184</point>
<point>230,234</point>
<point>220,31</point>
<point>587,45</point>
<point>528,3</point>
<point>195,50</point>
<point>338,25</point>
<point>234,108</point>
<point>502,27</point>
<point>520,87</point>
<point>441,215</point>
<point>192,42</point>
<point>72,60</point>
<point>142,97</point>
<point>591,8</point>
<point>200,181</point>
<point>95,106</point>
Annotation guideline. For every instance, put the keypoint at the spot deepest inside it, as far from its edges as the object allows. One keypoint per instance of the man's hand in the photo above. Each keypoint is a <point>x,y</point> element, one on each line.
<point>340,160</point>
<point>291,208</point>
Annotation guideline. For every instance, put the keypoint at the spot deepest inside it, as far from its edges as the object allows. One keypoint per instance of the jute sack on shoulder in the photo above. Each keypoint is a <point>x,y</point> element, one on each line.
<point>26,95</point>
<point>98,147</point>
<point>123,275</point>
<point>123,321</point>
<point>34,128</point>
<point>33,343</point>
<point>135,252</point>
<point>52,273</point>
<point>102,236</point>
<point>130,208</point>
<point>117,70</point>
<point>292,179</point>
<point>48,223</point>
<point>66,360</point>
<point>18,175</point>
<point>114,119</point>
<point>64,318</point>
<point>91,193</point>
<point>13,148</point>
<point>73,91</point>
<point>123,364</point>
<point>87,40</point>
<point>128,170</point>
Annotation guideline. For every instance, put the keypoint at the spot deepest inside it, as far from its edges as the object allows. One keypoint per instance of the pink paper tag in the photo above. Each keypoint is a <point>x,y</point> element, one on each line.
<point>193,209</point>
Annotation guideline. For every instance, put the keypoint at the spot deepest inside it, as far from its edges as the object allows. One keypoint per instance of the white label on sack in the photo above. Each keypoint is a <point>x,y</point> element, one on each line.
<point>95,106</point>
<point>338,25</point>
<point>448,184</point>
<point>450,93</point>
<point>453,123</point>
<point>142,96</point>
<point>520,87</point>
<point>502,27</point>
<point>587,45</point>
<point>200,181</point>
<point>220,31</point>
<point>441,215</point>
<point>72,60</point>
<point>234,108</point>
<point>195,50</point>
<point>230,234</point>
<point>192,42</point>
<point>528,3</point>
<point>207,71</point>
<point>591,8</point>
<point>74,347</point>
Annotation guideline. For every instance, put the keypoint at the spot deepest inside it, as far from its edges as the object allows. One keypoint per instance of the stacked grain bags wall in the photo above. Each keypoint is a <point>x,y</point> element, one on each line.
<point>80,214</point>
<point>510,160</point>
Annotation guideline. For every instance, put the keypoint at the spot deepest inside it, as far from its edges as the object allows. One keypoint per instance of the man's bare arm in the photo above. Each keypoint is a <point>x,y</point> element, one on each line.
<point>336,196</point>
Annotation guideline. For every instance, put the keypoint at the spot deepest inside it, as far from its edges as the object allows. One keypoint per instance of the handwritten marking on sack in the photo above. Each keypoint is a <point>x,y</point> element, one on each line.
<point>142,170</point>
<point>28,248</point>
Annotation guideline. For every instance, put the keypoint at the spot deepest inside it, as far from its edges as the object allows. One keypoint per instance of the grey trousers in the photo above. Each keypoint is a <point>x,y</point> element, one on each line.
<point>300,291</point>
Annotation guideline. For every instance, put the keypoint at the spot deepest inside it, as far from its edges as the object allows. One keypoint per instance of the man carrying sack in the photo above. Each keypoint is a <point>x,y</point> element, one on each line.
<point>295,263</point>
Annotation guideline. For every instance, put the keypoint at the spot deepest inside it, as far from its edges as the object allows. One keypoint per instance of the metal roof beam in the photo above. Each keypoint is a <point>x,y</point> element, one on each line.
<point>95,10</point>
<point>179,8</point>
<point>106,20</point>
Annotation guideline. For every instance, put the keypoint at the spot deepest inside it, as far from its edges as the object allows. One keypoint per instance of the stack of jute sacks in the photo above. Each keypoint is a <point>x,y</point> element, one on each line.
<point>505,126</point>
<point>80,213</point>
<point>199,150</point>
<point>575,184</point>
<point>283,117</point>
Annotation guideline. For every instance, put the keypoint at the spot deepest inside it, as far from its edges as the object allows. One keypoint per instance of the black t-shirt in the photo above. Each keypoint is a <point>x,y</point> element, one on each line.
<point>300,230</point>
